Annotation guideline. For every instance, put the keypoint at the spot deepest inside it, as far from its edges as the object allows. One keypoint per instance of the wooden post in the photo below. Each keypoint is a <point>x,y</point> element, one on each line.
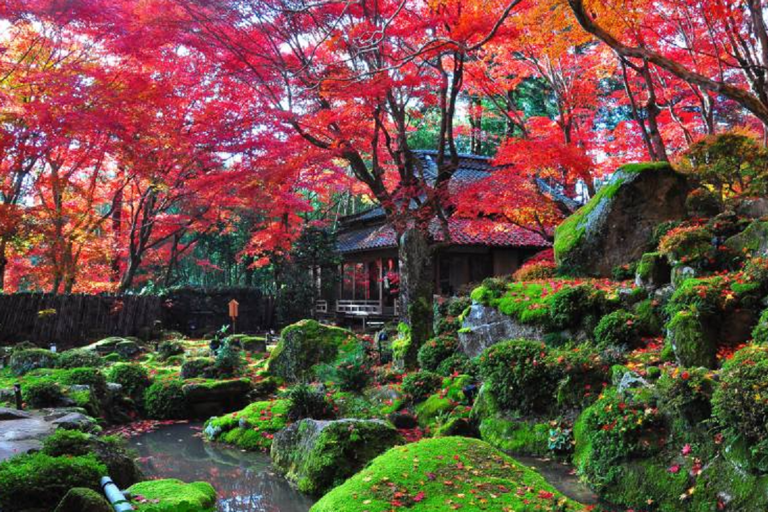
<point>233,312</point>
<point>17,393</point>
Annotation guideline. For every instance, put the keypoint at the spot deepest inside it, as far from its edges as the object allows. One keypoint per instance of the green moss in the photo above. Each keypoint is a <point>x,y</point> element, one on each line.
<point>82,499</point>
<point>690,340</point>
<point>165,400</point>
<point>308,343</point>
<point>251,428</point>
<point>173,495</point>
<point>39,480</point>
<point>516,437</point>
<point>445,473</point>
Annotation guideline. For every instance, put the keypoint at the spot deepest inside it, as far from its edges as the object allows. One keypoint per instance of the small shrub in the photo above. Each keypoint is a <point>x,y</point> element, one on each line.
<point>353,374</point>
<point>133,377</point>
<point>308,402</point>
<point>229,360</point>
<point>88,377</point>
<point>67,442</point>
<point>199,367</point>
<point>165,401</point>
<point>760,332</point>
<point>79,358</point>
<point>458,363</point>
<point>517,376</point>
<point>702,202</point>
<point>617,329</point>
<point>580,373</point>
<point>690,245</point>
<point>170,348</point>
<point>24,361</point>
<point>540,266</point>
<point>436,350</point>
<point>740,403</point>
<point>571,305</point>
<point>624,272</point>
<point>687,393</point>
<point>35,481</point>
<point>42,393</point>
<point>661,230</point>
<point>417,386</point>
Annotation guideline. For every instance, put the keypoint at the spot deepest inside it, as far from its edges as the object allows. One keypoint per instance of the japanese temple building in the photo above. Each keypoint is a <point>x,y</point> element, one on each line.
<point>480,248</point>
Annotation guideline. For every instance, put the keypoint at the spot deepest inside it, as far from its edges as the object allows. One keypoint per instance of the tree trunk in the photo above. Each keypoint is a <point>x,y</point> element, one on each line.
<point>416,290</point>
<point>3,262</point>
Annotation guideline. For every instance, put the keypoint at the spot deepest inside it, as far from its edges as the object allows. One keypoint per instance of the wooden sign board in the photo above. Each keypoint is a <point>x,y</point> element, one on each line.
<point>233,308</point>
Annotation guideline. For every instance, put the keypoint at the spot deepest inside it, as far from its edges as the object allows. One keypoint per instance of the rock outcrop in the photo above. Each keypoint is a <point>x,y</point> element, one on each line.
<point>485,326</point>
<point>615,227</point>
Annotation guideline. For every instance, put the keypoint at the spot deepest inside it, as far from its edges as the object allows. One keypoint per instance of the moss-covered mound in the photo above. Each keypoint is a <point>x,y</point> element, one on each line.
<point>318,455</point>
<point>614,228</point>
<point>82,499</point>
<point>448,473</point>
<point>304,345</point>
<point>251,428</point>
<point>173,495</point>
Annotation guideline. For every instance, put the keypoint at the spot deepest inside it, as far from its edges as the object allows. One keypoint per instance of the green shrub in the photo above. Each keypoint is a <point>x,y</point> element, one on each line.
<point>417,386</point>
<point>624,272</point>
<point>516,374</point>
<point>170,348</point>
<point>40,481</point>
<point>133,377</point>
<point>79,358</point>
<point>617,329</point>
<point>353,373</point>
<point>43,393</point>
<point>571,305</point>
<point>649,320</point>
<point>67,442</point>
<point>24,361</point>
<point>229,360</point>
<point>88,377</point>
<point>687,394</point>
<point>740,403</point>
<point>661,230</point>
<point>165,400</point>
<point>760,332</point>
<point>457,363</point>
<point>615,428</point>
<point>580,373</point>
<point>199,367</point>
<point>308,402</point>
<point>436,350</point>
<point>690,245</point>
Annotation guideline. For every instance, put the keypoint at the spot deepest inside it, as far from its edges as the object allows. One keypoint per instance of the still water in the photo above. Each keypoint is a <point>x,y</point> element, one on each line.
<point>244,481</point>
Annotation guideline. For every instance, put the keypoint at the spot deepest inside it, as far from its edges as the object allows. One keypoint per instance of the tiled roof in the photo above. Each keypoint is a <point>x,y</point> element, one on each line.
<point>463,232</point>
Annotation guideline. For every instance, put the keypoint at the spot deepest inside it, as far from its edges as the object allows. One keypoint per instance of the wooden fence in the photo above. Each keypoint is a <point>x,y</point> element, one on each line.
<point>73,320</point>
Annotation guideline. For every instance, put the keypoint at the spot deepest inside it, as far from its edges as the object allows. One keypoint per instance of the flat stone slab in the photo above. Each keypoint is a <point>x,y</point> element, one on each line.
<point>23,431</point>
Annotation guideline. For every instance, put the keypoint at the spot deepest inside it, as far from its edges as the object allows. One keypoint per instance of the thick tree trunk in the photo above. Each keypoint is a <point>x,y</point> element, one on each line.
<point>416,290</point>
<point>3,262</point>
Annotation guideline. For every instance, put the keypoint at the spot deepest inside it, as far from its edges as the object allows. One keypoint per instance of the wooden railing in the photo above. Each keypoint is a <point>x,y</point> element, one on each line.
<point>321,306</point>
<point>359,307</point>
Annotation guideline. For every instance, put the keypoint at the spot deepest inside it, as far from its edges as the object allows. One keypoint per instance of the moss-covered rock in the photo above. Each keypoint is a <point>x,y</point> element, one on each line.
<point>82,499</point>
<point>443,474</point>
<point>616,226</point>
<point>251,428</point>
<point>516,436</point>
<point>304,345</point>
<point>107,345</point>
<point>172,495</point>
<point>653,270</point>
<point>24,361</point>
<point>752,241</point>
<point>318,455</point>
<point>207,397</point>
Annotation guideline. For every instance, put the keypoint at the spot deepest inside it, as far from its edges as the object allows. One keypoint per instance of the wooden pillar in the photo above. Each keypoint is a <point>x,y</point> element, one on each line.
<point>381,286</point>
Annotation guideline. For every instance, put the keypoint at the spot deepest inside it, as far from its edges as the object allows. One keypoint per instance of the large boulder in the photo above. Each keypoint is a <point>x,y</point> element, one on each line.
<point>614,228</point>
<point>319,455</point>
<point>80,499</point>
<point>752,241</point>
<point>172,494</point>
<point>305,344</point>
<point>108,345</point>
<point>485,326</point>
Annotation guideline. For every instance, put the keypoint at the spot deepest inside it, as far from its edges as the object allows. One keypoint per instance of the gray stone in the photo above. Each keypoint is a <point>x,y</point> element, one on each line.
<point>615,228</point>
<point>318,455</point>
<point>76,421</point>
<point>485,326</point>
<point>756,208</point>
<point>215,398</point>
<point>106,346</point>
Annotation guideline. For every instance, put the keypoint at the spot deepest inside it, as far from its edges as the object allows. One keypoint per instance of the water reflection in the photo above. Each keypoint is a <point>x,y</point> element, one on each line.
<point>244,481</point>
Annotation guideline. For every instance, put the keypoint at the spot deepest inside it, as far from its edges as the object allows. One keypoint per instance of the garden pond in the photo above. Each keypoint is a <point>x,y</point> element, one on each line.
<point>244,481</point>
